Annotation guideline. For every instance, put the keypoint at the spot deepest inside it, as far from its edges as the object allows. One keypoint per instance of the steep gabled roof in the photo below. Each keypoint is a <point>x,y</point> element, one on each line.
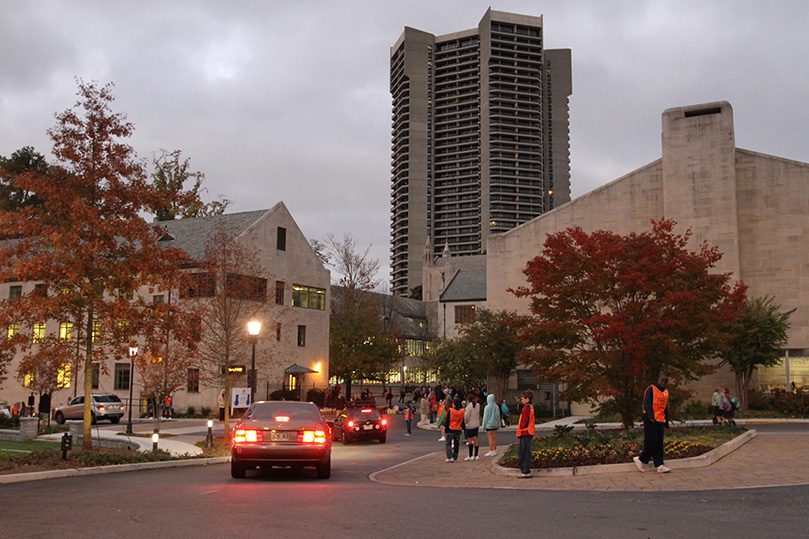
<point>466,285</point>
<point>191,235</point>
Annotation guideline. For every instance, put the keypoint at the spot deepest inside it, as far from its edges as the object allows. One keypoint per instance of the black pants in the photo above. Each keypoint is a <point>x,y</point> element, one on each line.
<point>652,442</point>
<point>524,453</point>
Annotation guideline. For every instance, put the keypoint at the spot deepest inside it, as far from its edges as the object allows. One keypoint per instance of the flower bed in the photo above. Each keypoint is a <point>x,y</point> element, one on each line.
<point>555,451</point>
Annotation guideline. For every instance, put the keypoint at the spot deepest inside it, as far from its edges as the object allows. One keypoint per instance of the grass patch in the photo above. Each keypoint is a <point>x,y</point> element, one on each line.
<point>30,445</point>
<point>613,447</point>
<point>221,448</point>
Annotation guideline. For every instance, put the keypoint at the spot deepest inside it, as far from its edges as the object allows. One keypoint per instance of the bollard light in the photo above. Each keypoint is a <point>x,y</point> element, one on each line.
<point>155,439</point>
<point>209,439</point>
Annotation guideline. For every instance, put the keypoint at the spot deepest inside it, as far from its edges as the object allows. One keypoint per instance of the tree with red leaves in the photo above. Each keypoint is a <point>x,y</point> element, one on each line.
<point>610,313</point>
<point>85,242</point>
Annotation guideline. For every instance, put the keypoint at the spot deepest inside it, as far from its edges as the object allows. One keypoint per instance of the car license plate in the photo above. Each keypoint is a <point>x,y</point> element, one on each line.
<point>368,427</point>
<point>279,436</point>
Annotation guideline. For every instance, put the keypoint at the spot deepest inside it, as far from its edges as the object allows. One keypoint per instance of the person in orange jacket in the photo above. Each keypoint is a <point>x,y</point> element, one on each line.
<point>655,420</point>
<point>525,433</point>
<point>454,426</point>
<point>408,417</point>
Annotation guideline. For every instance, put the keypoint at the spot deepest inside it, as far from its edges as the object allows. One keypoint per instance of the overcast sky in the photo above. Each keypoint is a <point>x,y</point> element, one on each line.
<point>289,100</point>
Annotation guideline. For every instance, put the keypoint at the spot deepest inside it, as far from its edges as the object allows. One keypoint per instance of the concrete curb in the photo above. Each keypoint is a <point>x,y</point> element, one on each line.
<point>700,461</point>
<point>100,470</point>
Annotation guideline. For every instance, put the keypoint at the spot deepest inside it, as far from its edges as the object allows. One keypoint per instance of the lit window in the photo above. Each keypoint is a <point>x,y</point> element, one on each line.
<point>66,331</point>
<point>13,330</point>
<point>308,297</point>
<point>39,332</point>
<point>28,379</point>
<point>96,330</point>
<point>63,376</point>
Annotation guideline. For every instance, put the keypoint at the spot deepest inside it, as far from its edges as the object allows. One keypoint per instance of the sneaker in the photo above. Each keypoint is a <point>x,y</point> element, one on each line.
<point>442,439</point>
<point>524,476</point>
<point>638,464</point>
<point>448,460</point>
<point>663,469</point>
<point>407,434</point>
<point>469,458</point>
<point>476,457</point>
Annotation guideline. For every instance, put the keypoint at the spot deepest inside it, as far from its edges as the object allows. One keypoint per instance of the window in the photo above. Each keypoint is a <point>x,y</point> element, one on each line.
<point>15,291</point>
<point>66,331</point>
<point>63,376</point>
<point>301,335</point>
<point>193,380</point>
<point>13,330</point>
<point>39,332</point>
<point>28,379</point>
<point>281,243</point>
<point>95,371</point>
<point>464,314</point>
<point>123,331</point>
<point>159,298</point>
<point>96,330</point>
<point>279,292</point>
<point>126,295</point>
<point>245,287</point>
<point>40,290</point>
<point>308,297</point>
<point>203,285</point>
<point>196,328</point>
<point>278,331</point>
<point>122,376</point>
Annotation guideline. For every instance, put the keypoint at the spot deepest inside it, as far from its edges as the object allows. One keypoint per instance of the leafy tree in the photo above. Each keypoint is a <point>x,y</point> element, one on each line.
<point>86,241</point>
<point>229,291</point>
<point>26,159</point>
<point>455,363</point>
<point>171,172</point>
<point>494,345</point>
<point>757,340</point>
<point>609,313</point>
<point>416,292</point>
<point>359,344</point>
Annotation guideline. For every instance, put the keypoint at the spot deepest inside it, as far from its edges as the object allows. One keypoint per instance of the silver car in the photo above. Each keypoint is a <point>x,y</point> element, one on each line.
<point>105,406</point>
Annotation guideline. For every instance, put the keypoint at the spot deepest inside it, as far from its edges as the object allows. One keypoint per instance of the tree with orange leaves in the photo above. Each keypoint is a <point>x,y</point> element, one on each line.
<point>86,241</point>
<point>610,313</point>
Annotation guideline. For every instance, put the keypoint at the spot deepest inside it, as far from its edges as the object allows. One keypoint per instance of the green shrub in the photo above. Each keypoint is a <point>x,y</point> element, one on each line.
<point>562,430</point>
<point>12,422</point>
<point>698,409</point>
<point>205,411</point>
<point>190,411</point>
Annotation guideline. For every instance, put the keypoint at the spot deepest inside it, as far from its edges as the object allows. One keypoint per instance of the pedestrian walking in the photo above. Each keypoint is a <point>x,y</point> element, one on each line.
<point>525,433</point>
<point>491,423</point>
<point>424,409</point>
<point>389,398</point>
<point>402,395</point>
<point>408,417</point>
<point>728,407</point>
<point>504,412</point>
<point>655,421</point>
<point>221,403</point>
<point>472,422</point>
<point>454,427</point>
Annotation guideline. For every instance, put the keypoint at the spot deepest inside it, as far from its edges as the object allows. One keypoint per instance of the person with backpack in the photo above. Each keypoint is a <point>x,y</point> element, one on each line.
<point>491,423</point>
<point>728,407</point>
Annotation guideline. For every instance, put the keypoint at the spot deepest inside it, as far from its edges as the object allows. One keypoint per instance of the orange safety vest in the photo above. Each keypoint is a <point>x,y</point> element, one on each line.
<point>455,419</point>
<point>525,431</point>
<point>660,400</point>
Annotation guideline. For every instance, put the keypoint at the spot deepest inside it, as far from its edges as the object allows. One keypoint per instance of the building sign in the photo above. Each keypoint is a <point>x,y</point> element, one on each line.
<point>233,369</point>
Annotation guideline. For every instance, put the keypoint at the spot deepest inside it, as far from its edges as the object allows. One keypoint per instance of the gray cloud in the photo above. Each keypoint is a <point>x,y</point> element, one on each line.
<point>289,100</point>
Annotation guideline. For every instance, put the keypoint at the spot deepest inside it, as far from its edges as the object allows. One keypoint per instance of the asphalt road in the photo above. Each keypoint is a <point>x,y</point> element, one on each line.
<point>206,502</point>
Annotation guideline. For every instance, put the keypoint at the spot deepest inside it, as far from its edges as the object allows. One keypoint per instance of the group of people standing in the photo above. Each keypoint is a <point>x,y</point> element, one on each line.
<point>724,407</point>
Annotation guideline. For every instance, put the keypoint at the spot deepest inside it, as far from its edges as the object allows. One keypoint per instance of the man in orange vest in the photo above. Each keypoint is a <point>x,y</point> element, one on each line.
<point>454,426</point>
<point>655,420</point>
<point>525,434</point>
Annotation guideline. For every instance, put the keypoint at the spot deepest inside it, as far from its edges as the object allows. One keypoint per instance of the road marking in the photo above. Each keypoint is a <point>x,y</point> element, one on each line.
<point>372,477</point>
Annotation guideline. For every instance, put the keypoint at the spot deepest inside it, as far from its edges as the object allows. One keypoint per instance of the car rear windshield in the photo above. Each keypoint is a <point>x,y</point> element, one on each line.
<point>106,398</point>
<point>271,410</point>
<point>366,413</point>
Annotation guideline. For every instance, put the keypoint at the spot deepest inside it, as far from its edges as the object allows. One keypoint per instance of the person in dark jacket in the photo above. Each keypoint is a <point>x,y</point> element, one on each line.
<point>655,420</point>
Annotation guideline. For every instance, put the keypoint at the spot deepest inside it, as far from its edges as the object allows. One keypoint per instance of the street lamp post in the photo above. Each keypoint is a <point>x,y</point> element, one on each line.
<point>133,351</point>
<point>253,329</point>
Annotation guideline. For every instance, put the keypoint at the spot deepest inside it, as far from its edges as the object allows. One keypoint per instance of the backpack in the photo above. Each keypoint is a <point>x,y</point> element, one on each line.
<point>504,409</point>
<point>734,402</point>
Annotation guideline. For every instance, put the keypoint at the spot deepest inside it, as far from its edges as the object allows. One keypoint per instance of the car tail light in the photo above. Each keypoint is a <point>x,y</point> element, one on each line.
<point>366,410</point>
<point>350,424</point>
<point>312,436</point>
<point>247,436</point>
<point>101,408</point>
<point>282,418</point>
<point>384,422</point>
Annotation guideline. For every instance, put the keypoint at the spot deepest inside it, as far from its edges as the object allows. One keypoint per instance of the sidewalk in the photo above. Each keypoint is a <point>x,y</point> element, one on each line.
<point>766,460</point>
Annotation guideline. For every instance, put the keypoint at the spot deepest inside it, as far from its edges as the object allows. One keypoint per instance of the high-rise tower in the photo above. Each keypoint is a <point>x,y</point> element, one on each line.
<point>480,140</point>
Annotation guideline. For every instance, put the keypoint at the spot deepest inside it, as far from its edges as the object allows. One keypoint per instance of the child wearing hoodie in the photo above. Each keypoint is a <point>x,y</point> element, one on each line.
<point>472,423</point>
<point>491,423</point>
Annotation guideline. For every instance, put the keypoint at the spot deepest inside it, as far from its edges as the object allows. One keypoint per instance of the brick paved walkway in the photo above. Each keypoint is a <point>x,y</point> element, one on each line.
<point>767,460</point>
